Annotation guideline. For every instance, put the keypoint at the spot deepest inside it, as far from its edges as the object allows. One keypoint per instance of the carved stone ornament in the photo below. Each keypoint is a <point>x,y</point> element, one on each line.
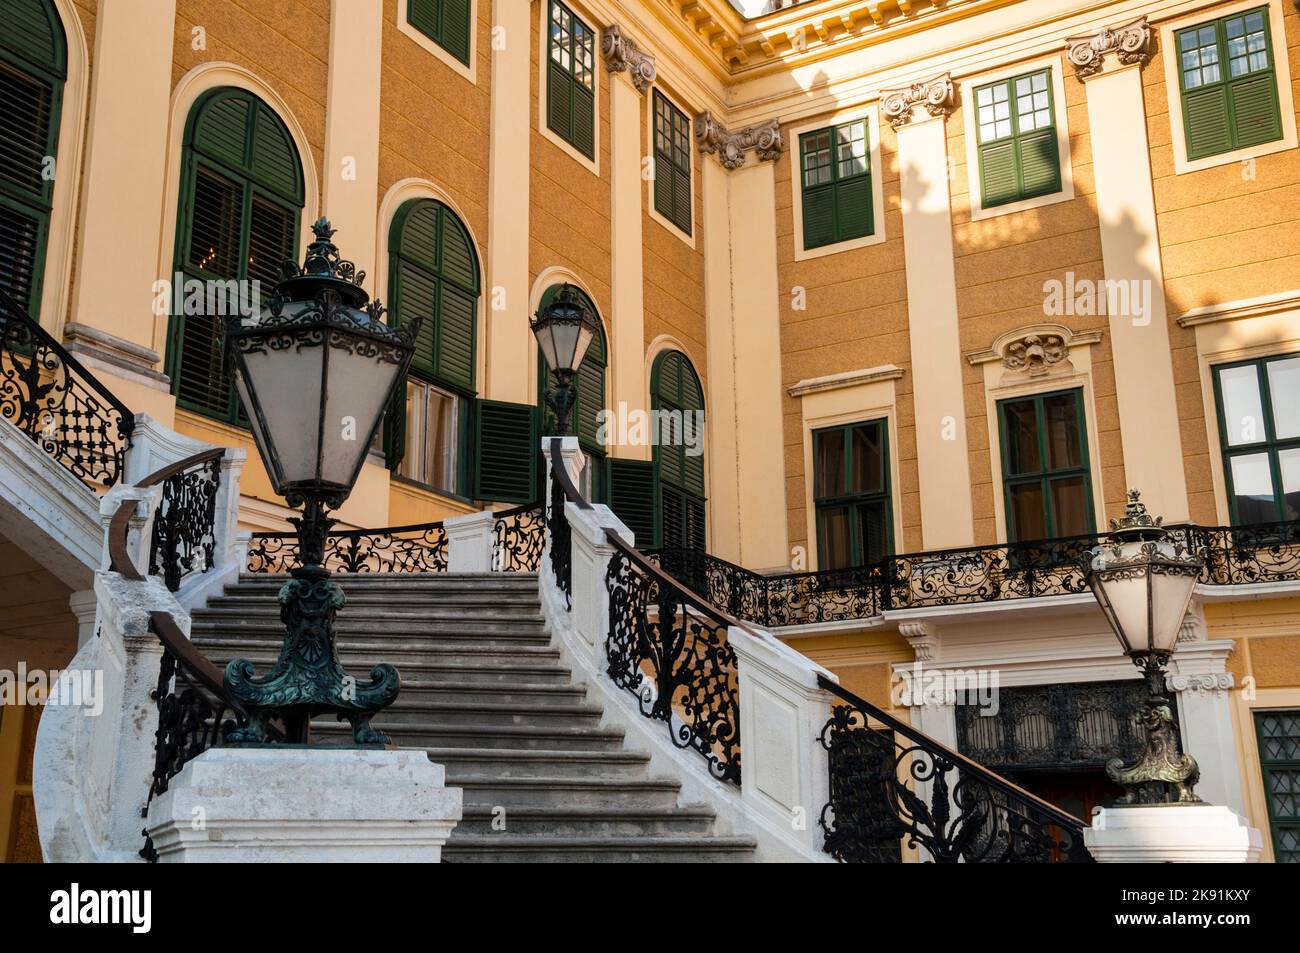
<point>935,94</point>
<point>712,137</point>
<point>1035,354</point>
<point>1131,44</point>
<point>621,53</point>
<point>1204,682</point>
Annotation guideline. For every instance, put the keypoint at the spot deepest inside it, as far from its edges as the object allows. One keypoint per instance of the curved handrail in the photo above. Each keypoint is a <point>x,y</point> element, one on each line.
<point>560,473</point>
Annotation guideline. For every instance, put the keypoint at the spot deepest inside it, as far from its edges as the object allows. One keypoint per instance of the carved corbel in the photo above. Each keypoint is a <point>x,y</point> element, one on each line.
<point>923,637</point>
<point>935,94</point>
<point>1203,682</point>
<point>713,138</point>
<point>622,54</point>
<point>1130,43</point>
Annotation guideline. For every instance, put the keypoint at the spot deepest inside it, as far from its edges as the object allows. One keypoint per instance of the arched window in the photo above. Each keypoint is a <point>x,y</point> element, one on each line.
<point>33,67</point>
<point>678,402</point>
<point>434,272</point>
<point>241,200</point>
<point>587,407</point>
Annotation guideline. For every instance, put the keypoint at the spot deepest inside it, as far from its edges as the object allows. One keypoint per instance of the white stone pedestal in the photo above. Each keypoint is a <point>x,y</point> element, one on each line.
<point>317,805</point>
<point>1172,834</point>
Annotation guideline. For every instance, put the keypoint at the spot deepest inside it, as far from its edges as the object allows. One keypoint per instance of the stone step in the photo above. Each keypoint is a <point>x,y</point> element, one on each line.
<point>362,657</point>
<point>378,627</point>
<point>470,603</point>
<point>470,675</point>
<point>407,582</point>
<point>501,848</point>
<point>486,790</point>
<point>495,737</point>
<point>409,710</point>
<point>523,763</point>
<point>518,693</point>
<point>569,822</point>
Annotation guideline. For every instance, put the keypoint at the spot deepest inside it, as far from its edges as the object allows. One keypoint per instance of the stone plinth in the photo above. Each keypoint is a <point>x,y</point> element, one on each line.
<point>1172,833</point>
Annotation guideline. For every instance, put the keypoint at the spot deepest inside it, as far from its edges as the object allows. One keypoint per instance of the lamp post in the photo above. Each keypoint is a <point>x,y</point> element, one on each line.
<point>564,327</point>
<point>1143,579</point>
<point>314,371</point>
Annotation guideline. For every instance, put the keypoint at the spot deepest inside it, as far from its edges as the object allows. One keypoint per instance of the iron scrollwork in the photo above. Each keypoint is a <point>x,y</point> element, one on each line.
<point>561,536</point>
<point>518,538</point>
<point>184,524</point>
<point>899,786</point>
<point>400,549</point>
<point>672,653</point>
<point>56,402</point>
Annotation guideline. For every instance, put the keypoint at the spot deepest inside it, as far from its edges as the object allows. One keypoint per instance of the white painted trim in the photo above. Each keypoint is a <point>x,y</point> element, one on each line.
<point>1054,66</point>
<point>650,151</point>
<point>815,385</point>
<point>592,165</point>
<point>470,72</point>
<point>1173,86</point>
<point>1256,307</point>
<point>189,88</point>
<point>871,114</point>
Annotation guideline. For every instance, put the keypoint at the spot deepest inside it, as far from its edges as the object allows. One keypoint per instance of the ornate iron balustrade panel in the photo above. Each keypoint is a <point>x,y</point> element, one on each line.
<point>518,539</point>
<point>561,536</point>
<point>898,785</point>
<point>1245,555</point>
<point>671,651</point>
<point>184,524</point>
<point>62,407</point>
<point>400,549</point>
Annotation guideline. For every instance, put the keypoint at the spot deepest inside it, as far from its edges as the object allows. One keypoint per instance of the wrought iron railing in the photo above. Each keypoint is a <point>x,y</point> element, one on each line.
<point>892,785</point>
<point>61,406</point>
<point>419,547</point>
<point>558,530</point>
<point>518,539</point>
<point>184,524</point>
<point>1259,553</point>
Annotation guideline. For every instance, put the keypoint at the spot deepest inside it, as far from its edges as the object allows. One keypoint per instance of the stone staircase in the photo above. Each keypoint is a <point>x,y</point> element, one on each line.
<point>486,694</point>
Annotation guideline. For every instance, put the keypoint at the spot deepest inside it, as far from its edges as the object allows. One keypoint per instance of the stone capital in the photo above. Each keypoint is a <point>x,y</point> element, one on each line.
<point>713,138</point>
<point>935,94</point>
<point>623,55</point>
<point>1203,682</point>
<point>1130,43</point>
<point>923,637</point>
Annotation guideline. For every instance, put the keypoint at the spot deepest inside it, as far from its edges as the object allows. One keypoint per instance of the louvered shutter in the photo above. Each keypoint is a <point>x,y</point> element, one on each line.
<point>682,198</point>
<point>22,237</point>
<point>505,440</point>
<point>998,183</point>
<point>584,120</point>
<point>1205,116</point>
<point>630,489</point>
<point>423,15</point>
<point>852,208</point>
<point>1040,163</point>
<point>559,100</point>
<point>395,428</point>
<point>665,176</point>
<point>1255,113</point>
<point>819,216</point>
<point>456,27</point>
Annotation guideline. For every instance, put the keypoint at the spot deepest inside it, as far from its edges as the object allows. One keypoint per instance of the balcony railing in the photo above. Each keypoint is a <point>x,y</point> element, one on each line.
<point>1240,555</point>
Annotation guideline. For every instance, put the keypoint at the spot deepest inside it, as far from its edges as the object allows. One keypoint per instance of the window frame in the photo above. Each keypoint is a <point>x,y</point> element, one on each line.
<point>1271,445</point>
<point>1044,476</point>
<point>1173,86</point>
<point>658,94</point>
<point>1060,119</point>
<point>467,70</point>
<point>852,501</point>
<point>590,161</point>
<point>871,137</point>
<point>1257,714</point>
<point>685,493</point>
<point>459,405</point>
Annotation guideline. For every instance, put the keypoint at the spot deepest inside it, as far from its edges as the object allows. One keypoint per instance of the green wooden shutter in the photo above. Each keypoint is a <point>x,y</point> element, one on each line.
<point>1256,116</point>
<point>505,439</point>
<point>682,198</point>
<point>665,177</point>
<point>423,15</point>
<point>819,216</point>
<point>456,27</point>
<point>836,198</point>
<point>1205,117</point>
<point>559,101</point>
<point>853,212</point>
<point>1040,163</point>
<point>584,120</point>
<point>998,183</point>
<point>630,489</point>
<point>395,428</point>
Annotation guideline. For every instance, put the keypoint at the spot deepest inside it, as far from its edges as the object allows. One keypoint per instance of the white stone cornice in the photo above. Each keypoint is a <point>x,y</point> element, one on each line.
<point>1131,44</point>
<point>813,385</point>
<point>936,94</point>
<point>713,138</point>
<point>1033,348</point>
<point>623,55</point>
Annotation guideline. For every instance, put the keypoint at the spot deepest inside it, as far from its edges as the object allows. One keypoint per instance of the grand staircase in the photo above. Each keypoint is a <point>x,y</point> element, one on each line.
<point>486,694</point>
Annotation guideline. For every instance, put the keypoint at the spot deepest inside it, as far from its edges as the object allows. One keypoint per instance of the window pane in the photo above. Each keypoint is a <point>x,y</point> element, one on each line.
<point>1243,412</point>
<point>1064,439</point>
<point>1070,507</point>
<point>1289,462</point>
<point>833,533</point>
<point>1247,48</point>
<point>412,465</point>
<point>872,534</point>
<point>1252,488</point>
<point>867,464</point>
<point>829,465</point>
<point>1028,517</point>
<point>441,443</point>
<point>1020,431</point>
<point>817,159</point>
<point>852,143</point>
<point>214,231</point>
<point>1284,395</point>
<point>1199,56</point>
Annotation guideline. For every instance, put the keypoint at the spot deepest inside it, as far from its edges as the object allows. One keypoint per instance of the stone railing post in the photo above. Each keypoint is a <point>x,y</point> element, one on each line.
<point>785,779</point>
<point>154,446</point>
<point>592,552</point>
<point>141,526</point>
<point>469,542</point>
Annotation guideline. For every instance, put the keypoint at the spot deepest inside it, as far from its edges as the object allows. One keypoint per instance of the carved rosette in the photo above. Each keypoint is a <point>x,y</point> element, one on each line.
<point>713,138</point>
<point>1035,354</point>
<point>1131,44</point>
<point>935,94</point>
<point>621,53</point>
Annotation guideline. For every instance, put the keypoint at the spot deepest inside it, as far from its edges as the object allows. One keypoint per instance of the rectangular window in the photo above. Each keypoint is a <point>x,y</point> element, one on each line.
<point>1045,466</point>
<point>836,164</point>
<point>851,494</point>
<point>1228,84</point>
<point>672,167</point>
<point>1278,734</point>
<point>1259,427</point>
<point>571,80</point>
<point>432,436</point>
<point>1016,132</point>
<point>447,22</point>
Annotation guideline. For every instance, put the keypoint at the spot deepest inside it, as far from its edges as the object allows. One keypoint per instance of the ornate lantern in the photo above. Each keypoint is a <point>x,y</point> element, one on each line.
<point>564,327</point>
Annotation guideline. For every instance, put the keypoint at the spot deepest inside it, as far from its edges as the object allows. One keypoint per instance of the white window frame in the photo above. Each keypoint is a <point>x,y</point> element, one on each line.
<point>1173,85</point>
<point>543,87</point>
<point>650,151</point>
<point>418,447</point>
<point>872,116</point>
<point>470,72</point>
<point>1060,117</point>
